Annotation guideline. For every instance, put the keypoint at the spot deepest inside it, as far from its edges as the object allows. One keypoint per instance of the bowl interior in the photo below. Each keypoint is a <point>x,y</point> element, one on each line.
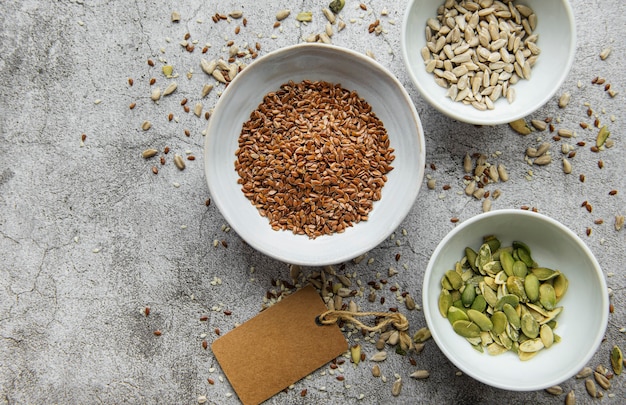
<point>581,324</point>
<point>557,41</point>
<point>353,71</point>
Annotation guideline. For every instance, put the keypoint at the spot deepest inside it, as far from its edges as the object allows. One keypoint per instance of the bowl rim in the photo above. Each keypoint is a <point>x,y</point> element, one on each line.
<point>593,347</point>
<point>458,115</point>
<point>411,195</point>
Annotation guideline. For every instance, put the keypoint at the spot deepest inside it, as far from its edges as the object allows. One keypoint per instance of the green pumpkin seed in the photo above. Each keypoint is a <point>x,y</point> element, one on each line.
<point>501,278</point>
<point>520,269</point>
<point>479,304</point>
<point>507,261</point>
<point>456,314</point>
<point>560,285</point>
<point>531,285</point>
<point>547,296</point>
<point>531,345</point>
<point>511,315</point>
<point>511,299</point>
<point>454,279</point>
<point>543,273</point>
<point>493,242</point>
<point>468,295</point>
<point>515,285</point>
<point>489,294</point>
<point>445,302</point>
<point>603,134</point>
<point>617,360</point>
<point>499,321</point>
<point>546,335</point>
<point>529,326</point>
<point>466,329</point>
<point>480,319</point>
<point>471,257</point>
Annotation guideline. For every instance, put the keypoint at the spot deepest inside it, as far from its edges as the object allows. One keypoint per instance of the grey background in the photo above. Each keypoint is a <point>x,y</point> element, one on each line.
<point>89,236</point>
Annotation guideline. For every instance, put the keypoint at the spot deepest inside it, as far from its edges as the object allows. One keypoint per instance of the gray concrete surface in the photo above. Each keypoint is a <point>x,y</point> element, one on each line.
<point>90,237</point>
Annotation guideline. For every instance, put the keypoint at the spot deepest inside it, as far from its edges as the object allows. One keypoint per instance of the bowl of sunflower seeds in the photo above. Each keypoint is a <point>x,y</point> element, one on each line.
<point>488,62</point>
<point>314,154</point>
<point>516,300</point>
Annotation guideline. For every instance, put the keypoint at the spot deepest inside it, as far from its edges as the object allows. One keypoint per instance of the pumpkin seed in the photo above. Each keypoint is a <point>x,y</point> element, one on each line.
<point>531,345</point>
<point>544,274</point>
<point>617,360</point>
<point>445,302</point>
<point>603,134</point>
<point>355,353</point>
<point>531,285</point>
<point>547,296</point>
<point>466,329</point>
<point>480,319</point>
<point>422,335</point>
<point>520,126</point>
<point>512,316</point>
<point>560,285</point>
<point>529,326</point>
<point>546,335</point>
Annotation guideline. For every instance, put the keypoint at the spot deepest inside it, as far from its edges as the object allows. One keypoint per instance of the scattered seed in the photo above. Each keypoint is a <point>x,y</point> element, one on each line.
<point>150,62</point>
<point>170,89</point>
<point>396,387</point>
<point>379,356</point>
<point>179,162</point>
<point>613,192</point>
<point>157,333</point>
<point>564,99</point>
<point>567,166</point>
<point>146,125</point>
<point>619,222</point>
<point>539,125</point>
<point>420,374</point>
<point>555,390</point>
<point>132,105</point>
<point>376,370</point>
<point>581,177</point>
<point>148,153</point>
<point>282,14</point>
<point>570,398</point>
<point>605,53</point>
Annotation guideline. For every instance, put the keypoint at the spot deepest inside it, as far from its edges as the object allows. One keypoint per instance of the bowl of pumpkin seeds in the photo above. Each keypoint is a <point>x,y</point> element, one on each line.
<point>488,62</point>
<point>516,300</point>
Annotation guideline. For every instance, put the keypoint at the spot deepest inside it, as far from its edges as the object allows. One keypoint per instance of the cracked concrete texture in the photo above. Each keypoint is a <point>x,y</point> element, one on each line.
<point>90,237</point>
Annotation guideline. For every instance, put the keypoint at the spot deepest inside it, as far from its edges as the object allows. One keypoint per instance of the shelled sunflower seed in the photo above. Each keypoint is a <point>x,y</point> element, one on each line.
<point>499,299</point>
<point>478,50</point>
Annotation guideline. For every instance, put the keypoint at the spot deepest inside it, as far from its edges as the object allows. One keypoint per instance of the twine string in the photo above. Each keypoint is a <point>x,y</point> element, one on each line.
<point>395,319</point>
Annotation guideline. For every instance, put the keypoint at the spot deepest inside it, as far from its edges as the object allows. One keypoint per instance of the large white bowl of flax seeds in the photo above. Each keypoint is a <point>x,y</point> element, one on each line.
<point>314,154</point>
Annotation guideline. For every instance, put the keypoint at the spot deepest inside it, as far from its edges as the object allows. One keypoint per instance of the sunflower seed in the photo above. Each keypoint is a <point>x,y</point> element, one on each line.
<point>208,67</point>
<point>420,374</point>
<point>567,166</point>
<point>619,222</point>
<point>179,162</point>
<point>376,370</point>
<point>602,380</point>
<point>570,398</point>
<point>379,356</point>
<point>605,53</point>
<point>555,390</point>
<point>396,387</point>
<point>146,125</point>
<point>282,14</point>
<point>590,386</point>
<point>169,89</point>
<point>564,99</point>
<point>148,153</point>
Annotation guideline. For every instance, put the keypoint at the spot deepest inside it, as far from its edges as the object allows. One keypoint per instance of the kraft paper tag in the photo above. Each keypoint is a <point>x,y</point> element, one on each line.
<point>278,347</point>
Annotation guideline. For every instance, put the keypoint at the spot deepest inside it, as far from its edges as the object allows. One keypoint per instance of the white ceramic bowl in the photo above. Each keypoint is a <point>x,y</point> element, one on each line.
<point>581,325</point>
<point>557,41</point>
<point>354,71</point>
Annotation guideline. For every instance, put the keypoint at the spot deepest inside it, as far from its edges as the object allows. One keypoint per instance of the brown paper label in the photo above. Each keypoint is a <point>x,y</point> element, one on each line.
<point>278,347</point>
